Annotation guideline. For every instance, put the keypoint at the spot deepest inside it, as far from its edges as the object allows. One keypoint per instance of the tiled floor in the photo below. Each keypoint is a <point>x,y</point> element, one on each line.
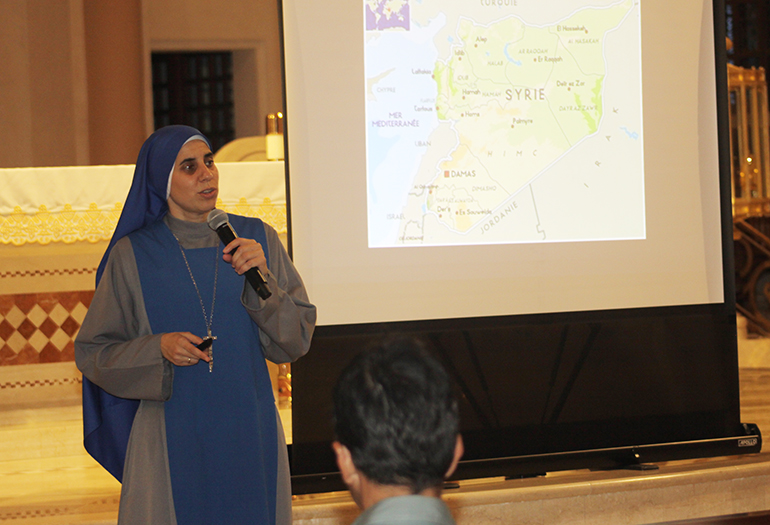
<point>46,477</point>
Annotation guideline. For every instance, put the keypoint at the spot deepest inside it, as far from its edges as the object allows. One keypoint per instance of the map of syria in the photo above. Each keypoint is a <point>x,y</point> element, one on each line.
<point>512,90</point>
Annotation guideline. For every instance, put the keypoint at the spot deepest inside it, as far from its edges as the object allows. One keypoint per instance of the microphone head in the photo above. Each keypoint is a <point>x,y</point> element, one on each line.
<point>217,218</point>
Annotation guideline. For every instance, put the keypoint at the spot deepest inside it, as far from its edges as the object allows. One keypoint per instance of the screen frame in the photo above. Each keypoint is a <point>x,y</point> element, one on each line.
<point>310,476</point>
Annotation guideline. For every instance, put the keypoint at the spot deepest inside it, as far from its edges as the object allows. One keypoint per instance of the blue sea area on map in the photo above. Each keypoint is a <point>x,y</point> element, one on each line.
<point>378,148</point>
<point>400,113</point>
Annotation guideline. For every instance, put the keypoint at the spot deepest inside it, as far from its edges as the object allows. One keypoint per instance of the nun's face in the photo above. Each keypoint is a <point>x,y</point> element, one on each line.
<point>194,183</point>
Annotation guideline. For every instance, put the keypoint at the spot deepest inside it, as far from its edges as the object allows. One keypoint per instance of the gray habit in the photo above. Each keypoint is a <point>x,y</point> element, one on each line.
<point>116,350</point>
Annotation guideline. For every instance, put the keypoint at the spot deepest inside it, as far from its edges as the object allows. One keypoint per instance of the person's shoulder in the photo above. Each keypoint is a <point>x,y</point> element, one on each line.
<point>244,221</point>
<point>149,231</point>
<point>251,222</point>
<point>407,510</point>
<point>122,247</point>
<point>244,218</point>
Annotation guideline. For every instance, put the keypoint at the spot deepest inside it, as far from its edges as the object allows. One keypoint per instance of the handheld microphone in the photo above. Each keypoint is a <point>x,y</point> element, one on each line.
<point>220,223</point>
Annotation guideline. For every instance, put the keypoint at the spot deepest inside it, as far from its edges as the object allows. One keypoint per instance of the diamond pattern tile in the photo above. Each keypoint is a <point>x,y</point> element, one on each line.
<point>70,326</point>
<point>58,314</point>
<point>6,329</point>
<point>49,354</point>
<point>60,339</point>
<point>15,316</point>
<point>26,329</point>
<point>38,340</point>
<point>41,328</point>
<point>37,315</point>
<point>16,342</point>
<point>48,327</point>
<point>79,312</point>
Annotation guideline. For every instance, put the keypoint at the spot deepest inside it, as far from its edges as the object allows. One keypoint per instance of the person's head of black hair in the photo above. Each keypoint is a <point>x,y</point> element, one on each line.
<point>395,412</point>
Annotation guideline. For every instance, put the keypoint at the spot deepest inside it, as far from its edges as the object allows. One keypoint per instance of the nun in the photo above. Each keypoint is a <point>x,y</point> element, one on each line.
<point>177,401</point>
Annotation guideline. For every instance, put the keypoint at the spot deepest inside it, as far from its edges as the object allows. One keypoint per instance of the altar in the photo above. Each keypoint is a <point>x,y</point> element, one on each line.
<point>55,224</point>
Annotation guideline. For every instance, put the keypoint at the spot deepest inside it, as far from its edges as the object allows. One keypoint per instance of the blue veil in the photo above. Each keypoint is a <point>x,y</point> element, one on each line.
<point>107,419</point>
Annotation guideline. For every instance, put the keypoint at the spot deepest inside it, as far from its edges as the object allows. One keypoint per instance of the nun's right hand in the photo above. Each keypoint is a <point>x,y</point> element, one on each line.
<point>180,348</point>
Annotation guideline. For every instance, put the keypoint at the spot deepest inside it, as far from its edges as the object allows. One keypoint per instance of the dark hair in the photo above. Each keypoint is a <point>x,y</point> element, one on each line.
<point>395,411</point>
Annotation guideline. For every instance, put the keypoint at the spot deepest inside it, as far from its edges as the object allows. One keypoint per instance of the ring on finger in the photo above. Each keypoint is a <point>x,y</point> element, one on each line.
<point>189,360</point>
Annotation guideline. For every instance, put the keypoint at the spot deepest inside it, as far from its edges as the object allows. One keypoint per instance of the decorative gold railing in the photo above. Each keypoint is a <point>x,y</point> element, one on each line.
<point>750,171</point>
<point>749,141</point>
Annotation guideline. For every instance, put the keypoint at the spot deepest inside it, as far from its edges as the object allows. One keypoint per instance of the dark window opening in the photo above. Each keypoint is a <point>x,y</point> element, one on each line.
<point>747,23</point>
<point>195,89</point>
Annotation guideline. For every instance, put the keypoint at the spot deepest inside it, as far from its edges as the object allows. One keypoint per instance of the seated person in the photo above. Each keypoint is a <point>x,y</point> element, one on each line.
<point>397,439</point>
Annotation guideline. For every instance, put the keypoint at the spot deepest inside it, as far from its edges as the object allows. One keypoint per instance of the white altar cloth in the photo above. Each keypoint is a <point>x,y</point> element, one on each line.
<point>83,203</point>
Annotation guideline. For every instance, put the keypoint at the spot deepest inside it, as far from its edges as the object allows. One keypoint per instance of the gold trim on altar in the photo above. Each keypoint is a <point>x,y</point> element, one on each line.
<point>67,226</point>
<point>72,204</point>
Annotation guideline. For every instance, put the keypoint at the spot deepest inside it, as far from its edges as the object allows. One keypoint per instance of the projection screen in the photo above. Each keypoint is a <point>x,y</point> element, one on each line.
<point>501,157</point>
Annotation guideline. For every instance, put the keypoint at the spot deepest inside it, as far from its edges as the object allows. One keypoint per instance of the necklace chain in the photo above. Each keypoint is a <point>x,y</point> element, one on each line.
<point>209,320</point>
